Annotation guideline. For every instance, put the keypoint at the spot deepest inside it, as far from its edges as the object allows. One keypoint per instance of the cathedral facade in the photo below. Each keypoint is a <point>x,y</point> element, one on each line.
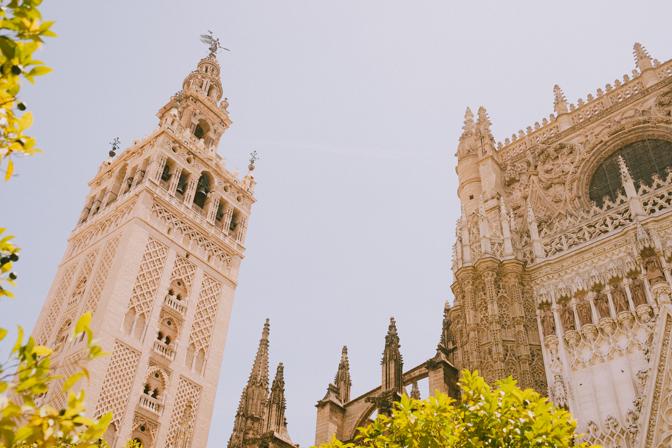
<point>155,258</point>
<point>562,265</point>
<point>562,261</point>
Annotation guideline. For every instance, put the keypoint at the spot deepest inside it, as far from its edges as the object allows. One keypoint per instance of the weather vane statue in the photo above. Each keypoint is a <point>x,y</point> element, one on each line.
<point>212,42</point>
<point>254,156</point>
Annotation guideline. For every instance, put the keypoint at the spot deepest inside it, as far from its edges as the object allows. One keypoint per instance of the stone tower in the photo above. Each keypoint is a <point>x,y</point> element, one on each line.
<point>155,257</point>
<point>494,322</point>
<point>260,419</point>
<point>564,254</point>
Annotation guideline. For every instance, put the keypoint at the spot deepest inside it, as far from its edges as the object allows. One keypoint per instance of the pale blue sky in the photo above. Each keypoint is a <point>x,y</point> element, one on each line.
<point>356,108</point>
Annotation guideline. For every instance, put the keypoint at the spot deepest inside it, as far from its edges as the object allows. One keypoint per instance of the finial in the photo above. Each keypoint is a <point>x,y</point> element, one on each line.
<point>254,156</point>
<point>559,100</point>
<point>642,58</point>
<point>468,121</point>
<point>623,168</point>
<point>483,119</point>
<point>415,391</point>
<point>212,42</point>
<point>115,147</point>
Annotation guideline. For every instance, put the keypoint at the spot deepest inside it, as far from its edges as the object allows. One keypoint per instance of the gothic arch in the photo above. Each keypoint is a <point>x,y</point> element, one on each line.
<point>607,143</point>
<point>362,420</point>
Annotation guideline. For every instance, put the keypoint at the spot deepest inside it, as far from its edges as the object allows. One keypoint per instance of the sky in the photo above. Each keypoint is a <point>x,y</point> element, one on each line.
<point>355,108</point>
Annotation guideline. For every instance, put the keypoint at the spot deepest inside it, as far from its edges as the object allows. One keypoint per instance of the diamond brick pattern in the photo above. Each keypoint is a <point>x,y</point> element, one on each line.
<point>119,377</point>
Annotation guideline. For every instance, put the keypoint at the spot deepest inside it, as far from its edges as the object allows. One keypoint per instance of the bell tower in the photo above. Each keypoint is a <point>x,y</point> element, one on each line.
<point>155,256</point>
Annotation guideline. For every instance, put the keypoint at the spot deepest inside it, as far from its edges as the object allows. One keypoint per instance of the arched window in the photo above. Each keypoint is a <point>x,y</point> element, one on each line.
<point>201,129</point>
<point>202,189</point>
<point>644,158</point>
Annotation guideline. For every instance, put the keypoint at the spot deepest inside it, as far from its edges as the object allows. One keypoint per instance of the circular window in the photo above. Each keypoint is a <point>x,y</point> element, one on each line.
<point>644,158</point>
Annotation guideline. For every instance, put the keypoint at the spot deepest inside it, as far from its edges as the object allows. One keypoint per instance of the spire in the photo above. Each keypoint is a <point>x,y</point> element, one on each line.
<point>642,58</point>
<point>468,127</point>
<point>467,144</point>
<point>275,413</point>
<point>251,408</point>
<point>415,391</point>
<point>559,100</point>
<point>635,203</point>
<point>392,362</point>
<point>483,125</point>
<point>197,113</point>
<point>342,380</point>
<point>259,373</point>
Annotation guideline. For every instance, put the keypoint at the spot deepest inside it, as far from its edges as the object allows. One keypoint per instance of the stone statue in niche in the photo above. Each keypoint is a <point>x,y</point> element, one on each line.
<point>637,290</point>
<point>654,273</point>
<point>619,298</point>
<point>602,304</point>
<point>547,323</point>
<point>584,312</point>
<point>567,317</point>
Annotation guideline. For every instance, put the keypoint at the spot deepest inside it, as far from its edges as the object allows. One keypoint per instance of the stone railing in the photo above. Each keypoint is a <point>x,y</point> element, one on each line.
<point>175,305</point>
<point>584,109</point>
<point>165,350</point>
<point>153,405</point>
<point>562,235</point>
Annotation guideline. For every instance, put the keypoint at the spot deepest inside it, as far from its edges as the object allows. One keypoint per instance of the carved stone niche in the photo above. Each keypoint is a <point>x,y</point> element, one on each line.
<point>664,103</point>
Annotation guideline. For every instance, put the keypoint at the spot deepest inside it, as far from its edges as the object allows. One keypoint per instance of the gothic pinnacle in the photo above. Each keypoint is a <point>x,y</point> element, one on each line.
<point>623,168</point>
<point>559,100</point>
<point>342,380</point>
<point>415,391</point>
<point>392,338</point>
<point>483,121</point>
<point>642,58</point>
<point>468,121</point>
<point>259,373</point>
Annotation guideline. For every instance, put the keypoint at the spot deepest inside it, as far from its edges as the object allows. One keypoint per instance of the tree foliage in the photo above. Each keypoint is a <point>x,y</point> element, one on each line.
<point>26,377</point>
<point>21,32</point>
<point>485,417</point>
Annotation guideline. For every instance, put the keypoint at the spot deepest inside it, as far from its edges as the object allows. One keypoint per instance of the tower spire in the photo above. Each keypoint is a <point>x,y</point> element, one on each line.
<point>275,414</point>
<point>483,125</point>
<point>342,380</point>
<point>642,58</point>
<point>251,408</point>
<point>468,126</point>
<point>392,362</point>
<point>259,373</point>
<point>559,100</point>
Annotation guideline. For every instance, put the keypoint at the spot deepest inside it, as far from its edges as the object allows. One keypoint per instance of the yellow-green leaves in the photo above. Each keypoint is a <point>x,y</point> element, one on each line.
<point>28,381</point>
<point>21,32</point>
<point>9,254</point>
<point>485,417</point>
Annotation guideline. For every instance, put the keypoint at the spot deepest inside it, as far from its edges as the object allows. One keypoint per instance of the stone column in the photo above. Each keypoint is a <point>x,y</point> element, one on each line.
<point>593,310</point>
<point>612,307</point>
<point>212,211</point>
<point>159,165</point>
<point>173,182</point>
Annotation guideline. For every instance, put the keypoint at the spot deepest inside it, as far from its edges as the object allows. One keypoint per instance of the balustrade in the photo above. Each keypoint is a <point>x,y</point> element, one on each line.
<point>165,350</point>
<point>151,404</point>
<point>171,302</point>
